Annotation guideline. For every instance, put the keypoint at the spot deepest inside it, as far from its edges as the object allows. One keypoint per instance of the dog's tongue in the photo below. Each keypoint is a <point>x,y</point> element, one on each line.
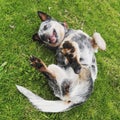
<point>52,39</point>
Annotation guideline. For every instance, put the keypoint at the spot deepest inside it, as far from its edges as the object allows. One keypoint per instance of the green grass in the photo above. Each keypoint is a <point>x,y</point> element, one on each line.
<point>19,21</point>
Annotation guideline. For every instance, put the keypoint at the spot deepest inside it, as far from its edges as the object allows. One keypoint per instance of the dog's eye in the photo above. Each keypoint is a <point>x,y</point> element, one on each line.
<point>45,27</point>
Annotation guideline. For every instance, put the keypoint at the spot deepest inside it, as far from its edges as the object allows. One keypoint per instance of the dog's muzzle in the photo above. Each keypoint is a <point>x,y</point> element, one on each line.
<point>52,39</point>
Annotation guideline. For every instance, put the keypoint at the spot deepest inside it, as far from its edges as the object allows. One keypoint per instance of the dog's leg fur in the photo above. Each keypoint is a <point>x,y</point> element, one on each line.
<point>41,67</point>
<point>98,42</point>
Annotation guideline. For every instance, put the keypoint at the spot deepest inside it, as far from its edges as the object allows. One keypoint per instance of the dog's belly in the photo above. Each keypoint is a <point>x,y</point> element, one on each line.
<point>78,89</point>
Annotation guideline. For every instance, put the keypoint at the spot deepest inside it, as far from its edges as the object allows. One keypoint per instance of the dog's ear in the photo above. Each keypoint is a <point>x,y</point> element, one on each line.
<point>36,37</point>
<point>65,24</point>
<point>43,16</point>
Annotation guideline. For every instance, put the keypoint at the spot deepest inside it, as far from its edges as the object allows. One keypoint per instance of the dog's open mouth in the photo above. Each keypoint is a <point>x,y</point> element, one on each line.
<point>53,37</point>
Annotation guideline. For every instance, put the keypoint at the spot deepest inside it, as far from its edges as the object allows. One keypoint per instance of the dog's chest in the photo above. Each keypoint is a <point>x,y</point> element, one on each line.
<point>83,40</point>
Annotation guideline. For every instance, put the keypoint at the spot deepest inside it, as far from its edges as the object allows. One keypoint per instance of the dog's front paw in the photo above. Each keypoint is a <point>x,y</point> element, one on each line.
<point>37,63</point>
<point>71,51</point>
<point>68,49</point>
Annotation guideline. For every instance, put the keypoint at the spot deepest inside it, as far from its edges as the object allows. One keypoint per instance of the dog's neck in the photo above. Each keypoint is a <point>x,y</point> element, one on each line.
<point>67,32</point>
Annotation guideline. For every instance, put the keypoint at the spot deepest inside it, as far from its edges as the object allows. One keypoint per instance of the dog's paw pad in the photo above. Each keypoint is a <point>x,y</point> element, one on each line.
<point>35,62</point>
<point>69,46</point>
<point>68,49</point>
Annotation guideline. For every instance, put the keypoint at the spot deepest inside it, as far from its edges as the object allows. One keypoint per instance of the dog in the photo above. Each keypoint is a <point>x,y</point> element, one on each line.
<point>72,78</point>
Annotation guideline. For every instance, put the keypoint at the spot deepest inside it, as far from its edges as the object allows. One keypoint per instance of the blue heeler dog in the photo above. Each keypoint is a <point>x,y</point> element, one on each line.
<point>72,78</point>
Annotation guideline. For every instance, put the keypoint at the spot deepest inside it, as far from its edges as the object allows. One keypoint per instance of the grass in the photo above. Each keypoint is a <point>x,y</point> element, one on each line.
<point>19,21</point>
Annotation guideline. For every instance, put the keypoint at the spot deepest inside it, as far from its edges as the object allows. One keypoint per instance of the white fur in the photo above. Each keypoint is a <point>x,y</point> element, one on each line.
<point>99,41</point>
<point>44,105</point>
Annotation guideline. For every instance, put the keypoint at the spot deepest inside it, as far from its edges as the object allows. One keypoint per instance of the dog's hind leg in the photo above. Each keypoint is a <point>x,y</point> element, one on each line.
<point>98,42</point>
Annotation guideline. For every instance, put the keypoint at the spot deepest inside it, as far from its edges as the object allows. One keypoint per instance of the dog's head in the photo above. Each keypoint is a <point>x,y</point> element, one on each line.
<point>50,31</point>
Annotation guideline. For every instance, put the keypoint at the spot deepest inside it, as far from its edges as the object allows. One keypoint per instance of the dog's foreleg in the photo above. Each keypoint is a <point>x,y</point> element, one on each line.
<point>41,67</point>
<point>72,52</point>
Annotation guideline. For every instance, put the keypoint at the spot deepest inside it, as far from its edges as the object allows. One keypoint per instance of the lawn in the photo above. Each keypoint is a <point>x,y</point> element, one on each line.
<point>19,21</point>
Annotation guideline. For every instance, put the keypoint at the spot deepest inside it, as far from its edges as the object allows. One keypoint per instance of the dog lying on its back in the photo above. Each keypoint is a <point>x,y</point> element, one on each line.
<point>73,77</point>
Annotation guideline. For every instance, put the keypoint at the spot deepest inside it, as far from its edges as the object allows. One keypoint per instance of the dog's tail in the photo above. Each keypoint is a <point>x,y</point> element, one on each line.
<point>98,41</point>
<point>44,105</point>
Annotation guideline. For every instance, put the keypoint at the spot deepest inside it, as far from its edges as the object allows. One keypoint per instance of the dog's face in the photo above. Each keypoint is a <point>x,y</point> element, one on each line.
<point>50,31</point>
